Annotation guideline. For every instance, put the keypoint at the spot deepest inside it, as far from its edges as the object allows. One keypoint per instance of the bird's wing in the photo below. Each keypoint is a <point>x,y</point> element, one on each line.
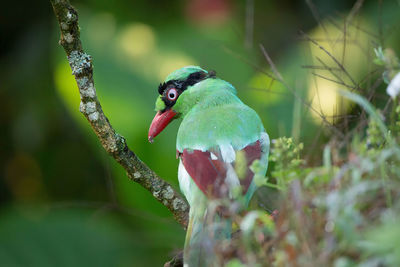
<point>217,146</point>
<point>218,171</point>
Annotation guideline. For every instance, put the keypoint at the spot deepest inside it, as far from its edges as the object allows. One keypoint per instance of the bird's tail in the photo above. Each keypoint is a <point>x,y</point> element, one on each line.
<point>201,239</point>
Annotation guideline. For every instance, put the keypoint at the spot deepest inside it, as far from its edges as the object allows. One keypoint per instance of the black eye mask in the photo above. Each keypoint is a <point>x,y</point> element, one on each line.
<point>181,85</point>
<point>168,102</point>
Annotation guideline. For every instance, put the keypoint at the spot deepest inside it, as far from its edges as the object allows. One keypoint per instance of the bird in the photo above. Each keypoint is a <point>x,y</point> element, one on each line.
<point>221,145</point>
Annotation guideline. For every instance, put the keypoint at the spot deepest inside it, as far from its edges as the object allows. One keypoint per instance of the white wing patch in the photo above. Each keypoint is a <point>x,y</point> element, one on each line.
<point>231,180</point>
<point>188,187</point>
<point>213,156</point>
<point>264,142</point>
<point>227,152</point>
<point>184,181</point>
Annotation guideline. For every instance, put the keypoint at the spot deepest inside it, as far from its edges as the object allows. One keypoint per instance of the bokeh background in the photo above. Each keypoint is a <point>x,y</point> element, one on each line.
<point>63,200</point>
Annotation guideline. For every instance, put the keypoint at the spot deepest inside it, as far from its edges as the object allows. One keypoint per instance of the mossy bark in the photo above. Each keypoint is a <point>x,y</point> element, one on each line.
<point>113,143</point>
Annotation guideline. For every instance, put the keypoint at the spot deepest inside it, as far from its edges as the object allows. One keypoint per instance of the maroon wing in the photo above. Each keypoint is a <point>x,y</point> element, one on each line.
<point>210,174</point>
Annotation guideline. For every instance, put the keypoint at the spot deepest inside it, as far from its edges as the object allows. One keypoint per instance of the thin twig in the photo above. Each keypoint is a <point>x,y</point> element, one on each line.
<point>281,80</point>
<point>332,80</point>
<point>112,142</point>
<point>332,72</point>
<point>354,10</point>
<point>316,15</point>
<point>332,57</point>
<point>316,67</point>
<point>380,27</point>
<point>249,23</point>
<point>249,63</point>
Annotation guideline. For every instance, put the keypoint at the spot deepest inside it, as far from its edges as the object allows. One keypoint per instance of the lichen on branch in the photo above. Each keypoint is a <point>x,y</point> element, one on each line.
<point>90,107</point>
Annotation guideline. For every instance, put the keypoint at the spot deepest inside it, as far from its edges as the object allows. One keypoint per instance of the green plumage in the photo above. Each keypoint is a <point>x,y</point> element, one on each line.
<point>213,114</point>
<point>213,119</point>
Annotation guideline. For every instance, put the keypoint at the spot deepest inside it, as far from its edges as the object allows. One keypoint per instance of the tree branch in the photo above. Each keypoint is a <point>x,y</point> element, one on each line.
<point>113,143</point>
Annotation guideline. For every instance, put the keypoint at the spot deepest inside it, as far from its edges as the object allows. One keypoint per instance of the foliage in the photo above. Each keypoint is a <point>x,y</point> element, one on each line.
<point>338,206</point>
<point>286,156</point>
<point>348,218</point>
<point>388,59</point>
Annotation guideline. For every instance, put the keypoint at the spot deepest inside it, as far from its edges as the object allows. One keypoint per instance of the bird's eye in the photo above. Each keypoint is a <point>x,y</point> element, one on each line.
<point>172,94</point>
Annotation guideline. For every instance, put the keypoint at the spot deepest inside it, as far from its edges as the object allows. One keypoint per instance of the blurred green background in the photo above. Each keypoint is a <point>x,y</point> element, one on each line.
<point>63,200</point>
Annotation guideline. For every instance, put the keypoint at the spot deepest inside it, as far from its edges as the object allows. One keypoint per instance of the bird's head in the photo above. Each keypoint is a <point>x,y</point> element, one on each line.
<point>173,92</point>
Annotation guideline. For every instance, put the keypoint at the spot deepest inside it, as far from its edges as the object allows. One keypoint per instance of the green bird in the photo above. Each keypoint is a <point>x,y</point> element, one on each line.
<point>221,145</point>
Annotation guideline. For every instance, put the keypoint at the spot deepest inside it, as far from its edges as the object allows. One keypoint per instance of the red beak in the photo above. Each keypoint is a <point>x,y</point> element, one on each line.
<point>160,121</point>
